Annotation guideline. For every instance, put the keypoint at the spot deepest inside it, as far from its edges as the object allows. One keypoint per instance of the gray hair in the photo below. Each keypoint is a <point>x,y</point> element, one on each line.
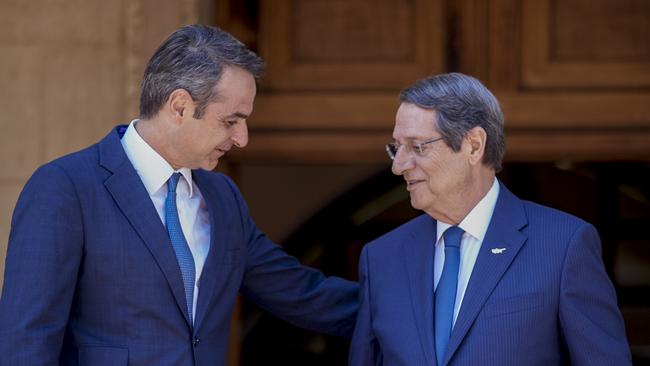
<point>193,58</point>
<point>461,103</point>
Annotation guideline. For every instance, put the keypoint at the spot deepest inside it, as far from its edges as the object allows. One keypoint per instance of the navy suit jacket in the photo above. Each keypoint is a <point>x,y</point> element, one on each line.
<point>544,300</point>
<point>91,277</point>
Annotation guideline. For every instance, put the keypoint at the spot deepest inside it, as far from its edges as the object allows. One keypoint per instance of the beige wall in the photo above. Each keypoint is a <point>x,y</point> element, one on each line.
<point>69,71</point>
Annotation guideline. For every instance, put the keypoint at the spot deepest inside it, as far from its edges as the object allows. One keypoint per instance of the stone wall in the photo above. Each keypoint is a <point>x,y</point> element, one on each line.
<point>69,71</point>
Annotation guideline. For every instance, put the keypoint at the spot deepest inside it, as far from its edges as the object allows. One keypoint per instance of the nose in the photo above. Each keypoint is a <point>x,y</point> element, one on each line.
<point>402,162</point>
<point>240,135</point>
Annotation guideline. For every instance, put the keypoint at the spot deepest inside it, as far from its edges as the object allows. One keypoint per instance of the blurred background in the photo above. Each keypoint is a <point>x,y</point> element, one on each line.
<point>573,78</point>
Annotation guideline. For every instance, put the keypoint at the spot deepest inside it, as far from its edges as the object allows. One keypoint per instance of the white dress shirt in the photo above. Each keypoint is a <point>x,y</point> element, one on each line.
<point>154,171</point>
<point>475,224</point>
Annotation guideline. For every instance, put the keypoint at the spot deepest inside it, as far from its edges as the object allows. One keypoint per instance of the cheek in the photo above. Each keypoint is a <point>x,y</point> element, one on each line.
<point>432,169</point>
<point>185,141</point>
<point>216,136</point>
<point>439,177</point>
<point>208,140</point>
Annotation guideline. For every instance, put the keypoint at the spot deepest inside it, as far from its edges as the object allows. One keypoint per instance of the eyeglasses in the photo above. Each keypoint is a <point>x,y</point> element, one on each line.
<point>418,148</point>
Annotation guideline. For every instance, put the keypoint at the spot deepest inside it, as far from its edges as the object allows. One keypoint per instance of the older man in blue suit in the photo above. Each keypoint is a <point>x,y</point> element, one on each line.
<point>131,252</point>
<point>482,278</point>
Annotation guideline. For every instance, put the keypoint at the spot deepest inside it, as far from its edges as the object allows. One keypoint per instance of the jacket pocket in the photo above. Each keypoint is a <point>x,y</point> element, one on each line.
<point>513,304</point>
<point>103,356</point>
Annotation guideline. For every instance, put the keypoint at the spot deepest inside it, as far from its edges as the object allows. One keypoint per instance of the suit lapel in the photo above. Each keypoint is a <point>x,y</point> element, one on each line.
<point>132,198</point>
<point>213,274</point>
<point>418,255</point>
<point>503,232</point>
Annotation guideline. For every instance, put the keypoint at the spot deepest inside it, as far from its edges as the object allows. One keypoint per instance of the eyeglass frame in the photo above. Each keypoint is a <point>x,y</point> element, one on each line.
<point>415,147</point>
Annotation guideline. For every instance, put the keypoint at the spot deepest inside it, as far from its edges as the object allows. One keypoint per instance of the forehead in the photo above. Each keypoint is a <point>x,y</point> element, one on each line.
<point>413,122</point>
<point>236,90</point>
<point>234,76</point>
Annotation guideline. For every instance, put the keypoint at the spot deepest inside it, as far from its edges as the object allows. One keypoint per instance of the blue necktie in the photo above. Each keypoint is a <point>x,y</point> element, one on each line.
<point>182,250</point>
<point>445,296</point>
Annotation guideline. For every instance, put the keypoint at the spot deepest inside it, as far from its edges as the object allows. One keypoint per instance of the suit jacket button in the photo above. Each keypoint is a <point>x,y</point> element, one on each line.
<point>195,341</point>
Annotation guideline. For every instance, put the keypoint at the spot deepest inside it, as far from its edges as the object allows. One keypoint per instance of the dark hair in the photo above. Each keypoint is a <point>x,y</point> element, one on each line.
<point>193,58</point>
<point>461,103</point>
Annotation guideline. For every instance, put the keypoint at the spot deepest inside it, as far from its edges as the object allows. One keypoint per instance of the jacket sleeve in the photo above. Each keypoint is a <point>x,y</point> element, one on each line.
<point>591,323</point>
<point>364,349</point>
<point>303,296</point>
<point>42,263</point>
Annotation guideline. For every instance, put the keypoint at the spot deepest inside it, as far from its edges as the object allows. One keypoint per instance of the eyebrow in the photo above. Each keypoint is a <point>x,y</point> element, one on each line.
<point>412,139</point>
<point>238,115</point>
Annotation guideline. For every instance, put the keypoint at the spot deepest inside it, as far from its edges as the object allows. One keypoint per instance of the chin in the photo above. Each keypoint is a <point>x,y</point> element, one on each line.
<point>416,204</point>
<point>211,165</point>
<point>209,168</point>
<point>422,202</point>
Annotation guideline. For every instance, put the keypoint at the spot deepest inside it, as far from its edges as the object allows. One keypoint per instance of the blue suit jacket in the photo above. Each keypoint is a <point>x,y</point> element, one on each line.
<point>91,277</point>
<point>545,300</point>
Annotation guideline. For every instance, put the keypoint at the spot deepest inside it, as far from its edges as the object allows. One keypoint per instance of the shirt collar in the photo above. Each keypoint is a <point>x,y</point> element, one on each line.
<point>153,169</point>
<point>478,219</point>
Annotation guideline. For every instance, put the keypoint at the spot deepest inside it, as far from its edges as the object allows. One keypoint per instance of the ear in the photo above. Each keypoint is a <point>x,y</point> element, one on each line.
<point>180,105</point>
<point>474,141</point>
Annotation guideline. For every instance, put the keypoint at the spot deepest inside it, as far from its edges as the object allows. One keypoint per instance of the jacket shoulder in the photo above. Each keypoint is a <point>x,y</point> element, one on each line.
<point>71,166</point>
<point>393,238</point>
<point>551,219</point>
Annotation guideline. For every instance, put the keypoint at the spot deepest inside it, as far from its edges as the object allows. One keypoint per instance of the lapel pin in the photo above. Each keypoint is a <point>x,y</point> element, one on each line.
<point>498,250</point>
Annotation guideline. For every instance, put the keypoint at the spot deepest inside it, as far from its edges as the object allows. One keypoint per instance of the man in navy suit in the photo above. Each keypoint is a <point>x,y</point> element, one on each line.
<point>482,278</point>
<point>132,252</point>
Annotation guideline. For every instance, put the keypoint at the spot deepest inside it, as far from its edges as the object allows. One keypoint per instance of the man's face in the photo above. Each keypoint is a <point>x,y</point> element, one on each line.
<point>436,179</point>
<point>201,142</point>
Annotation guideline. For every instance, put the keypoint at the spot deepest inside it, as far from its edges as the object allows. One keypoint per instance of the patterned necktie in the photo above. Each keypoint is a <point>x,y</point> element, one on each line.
<point>182,250</point>
<point>445,296</point>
